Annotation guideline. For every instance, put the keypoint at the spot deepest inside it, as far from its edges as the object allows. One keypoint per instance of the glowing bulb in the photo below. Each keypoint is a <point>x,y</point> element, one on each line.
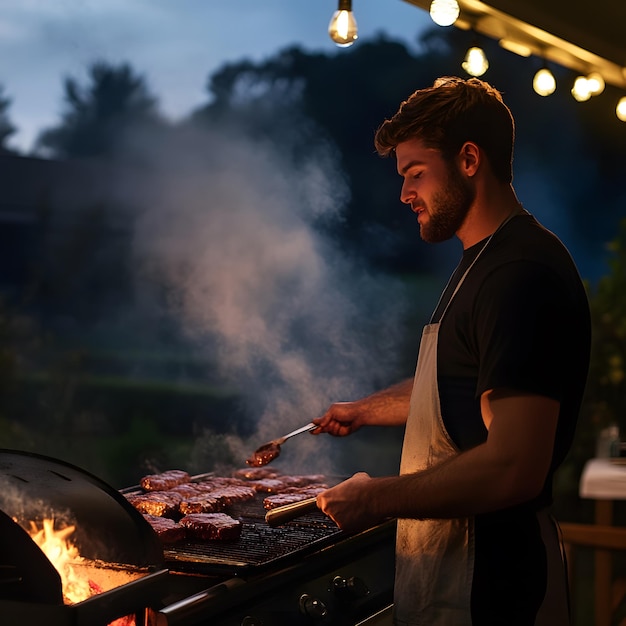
<point>444,12</point>
<point>595,83</point>
<point>342,28</point>
<point>544,82</point>
<point>475,63</point>
<point>581,89</point>
<point>620,110</point>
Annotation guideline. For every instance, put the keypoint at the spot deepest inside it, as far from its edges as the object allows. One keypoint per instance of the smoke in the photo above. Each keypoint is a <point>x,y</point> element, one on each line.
<point>231,242</point>
<point>33,507</point>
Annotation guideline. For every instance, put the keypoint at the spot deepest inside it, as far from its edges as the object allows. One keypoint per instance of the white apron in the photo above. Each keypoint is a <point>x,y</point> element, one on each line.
<point>435,558</point>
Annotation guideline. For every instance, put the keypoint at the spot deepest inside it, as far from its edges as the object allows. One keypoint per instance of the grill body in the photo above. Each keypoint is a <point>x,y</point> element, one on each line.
<point>297,574</point>
<point>340,585</point>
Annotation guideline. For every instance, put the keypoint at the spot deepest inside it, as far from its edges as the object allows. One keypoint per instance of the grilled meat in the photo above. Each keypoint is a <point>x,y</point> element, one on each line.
<point>211,526</point>
<point>158,503</point>
<point>255,473</point>
<point>165,480</point>
<point>264,455</point>
<point>167,529</point>
<point>282,483</point>
<point>203,503</point>
<point>295,494</point>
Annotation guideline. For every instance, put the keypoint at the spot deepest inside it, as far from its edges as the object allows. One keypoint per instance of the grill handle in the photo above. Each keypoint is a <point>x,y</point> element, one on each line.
<point>198,608</point>
<point>283,514</point>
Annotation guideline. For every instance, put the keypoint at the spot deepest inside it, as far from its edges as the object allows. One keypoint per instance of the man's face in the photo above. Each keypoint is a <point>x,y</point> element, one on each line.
<point>436,190</point>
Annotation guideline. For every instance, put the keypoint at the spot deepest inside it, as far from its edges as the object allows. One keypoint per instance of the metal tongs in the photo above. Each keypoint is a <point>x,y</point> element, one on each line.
<point>269,451</point>
<point>286,513</point>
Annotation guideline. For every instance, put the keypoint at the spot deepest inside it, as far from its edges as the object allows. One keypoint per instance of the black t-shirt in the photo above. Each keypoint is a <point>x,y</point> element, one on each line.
<point>520,320</point>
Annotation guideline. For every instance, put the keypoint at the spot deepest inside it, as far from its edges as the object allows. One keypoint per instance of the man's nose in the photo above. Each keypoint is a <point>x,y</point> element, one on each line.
<point>406,195</point>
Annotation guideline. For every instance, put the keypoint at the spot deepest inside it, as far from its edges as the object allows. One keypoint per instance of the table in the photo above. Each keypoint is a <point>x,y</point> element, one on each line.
<point>603,480</point>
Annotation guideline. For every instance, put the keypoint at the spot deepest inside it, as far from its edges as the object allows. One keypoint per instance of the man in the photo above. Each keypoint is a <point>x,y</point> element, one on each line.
<point>492,409</point>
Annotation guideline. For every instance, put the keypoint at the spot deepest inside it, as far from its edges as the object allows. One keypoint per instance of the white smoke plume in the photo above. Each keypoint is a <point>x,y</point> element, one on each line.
<point>230,235</point>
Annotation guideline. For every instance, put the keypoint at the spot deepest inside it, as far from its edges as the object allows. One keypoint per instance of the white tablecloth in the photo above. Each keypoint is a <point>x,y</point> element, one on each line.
<point>604,479</point>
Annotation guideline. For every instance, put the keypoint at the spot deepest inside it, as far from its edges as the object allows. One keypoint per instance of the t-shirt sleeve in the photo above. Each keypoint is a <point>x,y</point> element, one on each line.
<point>521,328</point>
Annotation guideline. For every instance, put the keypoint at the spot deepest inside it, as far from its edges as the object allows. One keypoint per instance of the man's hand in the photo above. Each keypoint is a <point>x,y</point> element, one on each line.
<point>389,407</point>
<point>341,419</point>
<point>348,504</point>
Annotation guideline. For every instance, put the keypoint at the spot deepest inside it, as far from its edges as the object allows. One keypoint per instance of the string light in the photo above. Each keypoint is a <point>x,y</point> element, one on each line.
<point>343,31</point>
<point>595,82</point>
<point>475,63</point>
<point>444,12</point>
<point>620,110</point>
<point>342,28</point>
<point>544,82</point>
<point>581,89</point>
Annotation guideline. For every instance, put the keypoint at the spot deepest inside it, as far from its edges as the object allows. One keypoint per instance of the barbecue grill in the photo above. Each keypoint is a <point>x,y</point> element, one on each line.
<point>304,572</point>
<point>122,554</point>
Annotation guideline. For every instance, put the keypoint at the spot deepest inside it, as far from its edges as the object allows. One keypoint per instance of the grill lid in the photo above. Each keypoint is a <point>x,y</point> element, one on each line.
<point>108,528</point>
<point>25,572</point>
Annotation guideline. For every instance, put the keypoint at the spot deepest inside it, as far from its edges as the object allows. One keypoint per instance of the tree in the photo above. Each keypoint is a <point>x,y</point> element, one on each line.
<point>6,127</point>
<point>606,389</point>
<point>299,100</point>
<point>604,402</point>
<point>99,115</point>
<point>342,98</point>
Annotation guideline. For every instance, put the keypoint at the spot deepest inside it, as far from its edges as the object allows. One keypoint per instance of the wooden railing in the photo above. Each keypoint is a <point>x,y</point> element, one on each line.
<point>604,539</point>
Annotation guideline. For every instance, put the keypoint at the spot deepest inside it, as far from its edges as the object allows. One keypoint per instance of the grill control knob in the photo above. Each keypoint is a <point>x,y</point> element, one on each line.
<point>312,607</point>
<point>352,587</point>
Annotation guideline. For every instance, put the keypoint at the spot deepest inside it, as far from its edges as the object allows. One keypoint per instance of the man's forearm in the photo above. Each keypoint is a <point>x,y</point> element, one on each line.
<point>388,407</point>
<point>474,482</point>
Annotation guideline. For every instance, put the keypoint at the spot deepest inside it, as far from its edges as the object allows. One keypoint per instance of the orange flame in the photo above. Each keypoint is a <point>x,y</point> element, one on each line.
<point>64,556</point>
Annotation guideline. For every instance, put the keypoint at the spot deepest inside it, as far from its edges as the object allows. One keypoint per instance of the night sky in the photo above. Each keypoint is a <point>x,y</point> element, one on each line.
<point>175,45</point>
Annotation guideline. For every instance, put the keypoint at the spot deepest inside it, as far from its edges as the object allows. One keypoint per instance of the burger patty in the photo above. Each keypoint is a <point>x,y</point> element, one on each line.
<point>211,526</point>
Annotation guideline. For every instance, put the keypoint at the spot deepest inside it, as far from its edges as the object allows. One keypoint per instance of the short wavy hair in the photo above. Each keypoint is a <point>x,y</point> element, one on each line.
<point>451,112</point>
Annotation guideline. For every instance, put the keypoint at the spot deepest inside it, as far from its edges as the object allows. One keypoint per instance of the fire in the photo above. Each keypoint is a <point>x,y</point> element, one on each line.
<point>64,557</point>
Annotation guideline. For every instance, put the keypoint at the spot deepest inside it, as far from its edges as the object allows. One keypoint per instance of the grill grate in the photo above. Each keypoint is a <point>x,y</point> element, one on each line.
<point>259,545</point>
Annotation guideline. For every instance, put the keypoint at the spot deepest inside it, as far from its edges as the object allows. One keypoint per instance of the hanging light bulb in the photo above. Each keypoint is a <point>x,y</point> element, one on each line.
<point>581,89</point>
<point>475,63</point>
<point>620,110</point>
<point>595,83</point>
<point>544,82</point>
<point>342,28</point>
<point>444,12</point>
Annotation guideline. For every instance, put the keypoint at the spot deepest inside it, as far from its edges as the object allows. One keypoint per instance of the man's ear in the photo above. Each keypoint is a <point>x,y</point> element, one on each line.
<point>469,158</point>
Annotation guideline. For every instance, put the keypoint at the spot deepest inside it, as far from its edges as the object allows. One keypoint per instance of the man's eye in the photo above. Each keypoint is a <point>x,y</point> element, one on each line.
<point>417,175</point>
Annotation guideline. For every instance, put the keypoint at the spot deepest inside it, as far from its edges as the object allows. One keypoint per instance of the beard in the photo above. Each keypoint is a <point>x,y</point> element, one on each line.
<point>448,208</point>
